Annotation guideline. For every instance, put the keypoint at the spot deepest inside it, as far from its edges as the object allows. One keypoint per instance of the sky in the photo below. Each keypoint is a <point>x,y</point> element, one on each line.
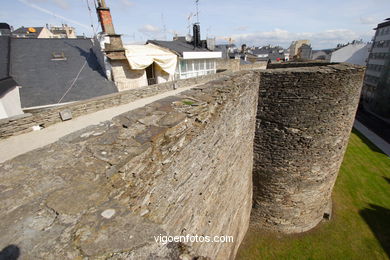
<point>324,22</point>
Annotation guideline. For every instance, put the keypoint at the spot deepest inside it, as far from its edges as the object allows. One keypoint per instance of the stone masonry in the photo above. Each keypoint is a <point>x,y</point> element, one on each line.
<point>304,120</point>
<point>184,165</point>
<point>45,117</point>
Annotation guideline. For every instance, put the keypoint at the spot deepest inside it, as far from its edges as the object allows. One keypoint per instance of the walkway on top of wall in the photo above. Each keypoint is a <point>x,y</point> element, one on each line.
<point>17,145</point>
<point>376,140</point>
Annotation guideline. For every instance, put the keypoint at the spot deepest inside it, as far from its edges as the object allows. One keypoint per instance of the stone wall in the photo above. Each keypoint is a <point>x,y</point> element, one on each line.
<point>304,120</point>
<point>47,116</point>
<point>256,65</point>
<point>228,64</point>
<point>282,65</point>
<point>234,65</point>
<point>182,165</point>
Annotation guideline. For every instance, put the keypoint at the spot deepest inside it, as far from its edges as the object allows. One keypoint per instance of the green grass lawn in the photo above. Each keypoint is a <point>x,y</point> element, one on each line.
<point>360,225</point>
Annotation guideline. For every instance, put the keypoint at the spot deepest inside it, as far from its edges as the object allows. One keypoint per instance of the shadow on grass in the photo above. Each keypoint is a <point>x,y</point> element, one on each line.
<point>10,252</point>
<point>377,219</point>
<point>367,142</point>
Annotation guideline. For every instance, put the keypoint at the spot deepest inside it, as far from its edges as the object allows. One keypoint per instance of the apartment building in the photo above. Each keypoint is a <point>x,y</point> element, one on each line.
<point>376,89</point>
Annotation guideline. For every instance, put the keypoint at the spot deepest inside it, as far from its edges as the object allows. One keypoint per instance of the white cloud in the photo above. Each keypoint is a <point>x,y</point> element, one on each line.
<point>241,28</point>
<point>325,39</point>
<point>151,32</point>
<point>63,4</point>
<point>368,20</point>
<point>148,28</point>
<point>127,3</point>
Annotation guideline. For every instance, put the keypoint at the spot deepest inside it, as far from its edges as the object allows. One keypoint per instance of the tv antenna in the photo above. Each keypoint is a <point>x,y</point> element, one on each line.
<point>164,26</point>
<point>208,31</point>
<point>197,10</point>
<point>189,22</point>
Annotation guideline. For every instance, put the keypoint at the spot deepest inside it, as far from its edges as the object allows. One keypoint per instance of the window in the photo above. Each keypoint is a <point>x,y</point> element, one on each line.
<point>183,66</point>
<point>201,62</point>
<point>196,67</point>
<point>58,56</point>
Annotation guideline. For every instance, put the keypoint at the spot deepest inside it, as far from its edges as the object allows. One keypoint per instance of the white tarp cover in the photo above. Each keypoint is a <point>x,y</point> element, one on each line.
<point>141,56</point>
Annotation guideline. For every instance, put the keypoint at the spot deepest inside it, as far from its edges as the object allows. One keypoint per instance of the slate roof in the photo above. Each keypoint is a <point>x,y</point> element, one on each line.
<point>177,46</point>
<point>267,50</point>
<point>5,26</point>
<point>273,53</point>
<point>6,82</point>
<point>261,51</point>
<point>44,79</point>
<point>4,56</point>
<point>24,31</point>
<point>384,24</point>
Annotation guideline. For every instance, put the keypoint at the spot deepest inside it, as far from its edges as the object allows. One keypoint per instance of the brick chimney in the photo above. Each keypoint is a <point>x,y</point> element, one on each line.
<point>114,50</point>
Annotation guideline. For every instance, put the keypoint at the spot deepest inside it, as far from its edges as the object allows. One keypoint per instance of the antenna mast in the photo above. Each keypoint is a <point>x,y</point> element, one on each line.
<point>197,10</point>
<point>164,26</point>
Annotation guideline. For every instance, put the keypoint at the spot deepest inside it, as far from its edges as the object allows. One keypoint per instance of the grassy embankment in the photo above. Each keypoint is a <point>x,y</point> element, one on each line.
<point>360,225</point>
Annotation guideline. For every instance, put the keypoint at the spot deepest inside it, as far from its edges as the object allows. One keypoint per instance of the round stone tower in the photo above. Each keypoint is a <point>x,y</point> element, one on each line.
<point>304,119</point>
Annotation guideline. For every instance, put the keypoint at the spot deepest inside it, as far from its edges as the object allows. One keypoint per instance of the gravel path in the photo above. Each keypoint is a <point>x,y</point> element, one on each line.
<point>17,145</point>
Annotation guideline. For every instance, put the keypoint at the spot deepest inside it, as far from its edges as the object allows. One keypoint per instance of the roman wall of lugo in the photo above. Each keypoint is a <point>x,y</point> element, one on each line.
<point>259,146</point>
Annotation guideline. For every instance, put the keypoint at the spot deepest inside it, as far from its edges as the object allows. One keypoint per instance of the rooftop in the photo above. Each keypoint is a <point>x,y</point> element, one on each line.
<point>384,24</point>
<point>32,32</point>
<point>178,46</point>
<point>49,69</point>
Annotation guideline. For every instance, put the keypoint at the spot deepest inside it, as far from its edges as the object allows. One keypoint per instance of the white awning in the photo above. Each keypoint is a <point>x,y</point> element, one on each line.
<point>142,56</point>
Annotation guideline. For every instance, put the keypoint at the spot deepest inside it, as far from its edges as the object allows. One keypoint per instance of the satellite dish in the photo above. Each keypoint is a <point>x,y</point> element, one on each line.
<point>188,38</point>
<point>32,30</point>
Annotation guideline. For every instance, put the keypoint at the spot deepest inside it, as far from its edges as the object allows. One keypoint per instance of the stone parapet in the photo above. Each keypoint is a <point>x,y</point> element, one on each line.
<point>45,117</point>
<point>181,165</point>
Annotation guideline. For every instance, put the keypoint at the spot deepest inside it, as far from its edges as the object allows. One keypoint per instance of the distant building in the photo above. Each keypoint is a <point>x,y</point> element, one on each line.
<point>32,32</point>
<point>269,53</point>
<point>354,53</point>
<point>321,54</point>
<point>63,31</point>
<point>194,58</point>
<point>225,49</point>
<point>294,47</point>
<point>5,29</point>
<point>286,54</point>
<point>376,88</point>
<point>304,52</point>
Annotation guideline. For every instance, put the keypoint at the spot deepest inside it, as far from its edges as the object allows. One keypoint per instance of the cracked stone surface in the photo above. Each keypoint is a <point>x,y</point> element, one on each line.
<point>165,169</point>
<point>183,165</point>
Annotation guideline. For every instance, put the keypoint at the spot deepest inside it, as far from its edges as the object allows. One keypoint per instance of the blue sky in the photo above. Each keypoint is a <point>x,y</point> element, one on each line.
<point>325,23</point>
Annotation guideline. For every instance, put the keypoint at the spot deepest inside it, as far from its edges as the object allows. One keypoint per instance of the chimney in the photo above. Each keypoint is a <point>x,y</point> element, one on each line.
<point>196,31</point>
<point>114,50</point>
